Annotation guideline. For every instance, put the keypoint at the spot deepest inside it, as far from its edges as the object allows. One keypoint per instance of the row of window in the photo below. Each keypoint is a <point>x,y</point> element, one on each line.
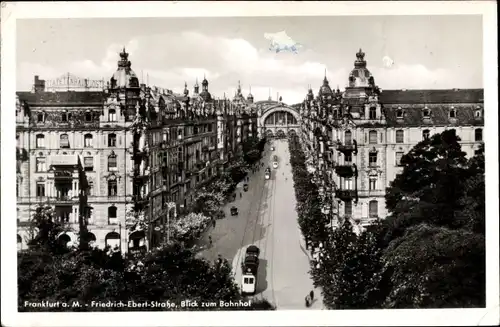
<point>64,193</point>
<point>372,158</point>
<point>88,163</point>
<point>372,209</point>
<point>400,135</point>
<point>67,117</point>
<point>88,140</point>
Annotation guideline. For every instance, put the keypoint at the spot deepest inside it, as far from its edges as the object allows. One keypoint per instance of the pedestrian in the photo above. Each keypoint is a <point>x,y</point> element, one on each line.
<point>241,195</point>
<point>308,301</point>
<point>311,294</point>
<point>213,222</point>
<point>210,240</point>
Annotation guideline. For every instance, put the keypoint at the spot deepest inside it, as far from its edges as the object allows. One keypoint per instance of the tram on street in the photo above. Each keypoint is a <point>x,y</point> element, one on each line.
<point>249,267</point>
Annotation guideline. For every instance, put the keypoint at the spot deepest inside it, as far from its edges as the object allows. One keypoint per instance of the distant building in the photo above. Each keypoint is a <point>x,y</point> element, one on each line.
<point>355,139</point>
<point>118,157</point>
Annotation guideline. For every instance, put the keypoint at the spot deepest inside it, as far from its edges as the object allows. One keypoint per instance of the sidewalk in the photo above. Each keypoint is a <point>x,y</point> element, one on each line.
<point>318,296</point>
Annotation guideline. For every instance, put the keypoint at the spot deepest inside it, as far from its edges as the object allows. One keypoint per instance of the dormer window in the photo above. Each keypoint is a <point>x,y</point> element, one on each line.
<point>399,113</point>
<point>112,115</point>
<point>64,117</point>
<point>39,118</point>
<point>425,134</point>
<point>453,113</point>
<point>88,117</point>
<point>478,113</point>
<point>426,112</point>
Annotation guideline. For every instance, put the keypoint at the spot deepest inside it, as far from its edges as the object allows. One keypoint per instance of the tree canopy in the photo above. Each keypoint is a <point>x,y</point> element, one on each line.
<point>428,253</point>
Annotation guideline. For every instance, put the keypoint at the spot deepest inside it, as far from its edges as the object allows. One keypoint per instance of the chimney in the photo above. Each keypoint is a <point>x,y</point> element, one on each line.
<point>39,84</point>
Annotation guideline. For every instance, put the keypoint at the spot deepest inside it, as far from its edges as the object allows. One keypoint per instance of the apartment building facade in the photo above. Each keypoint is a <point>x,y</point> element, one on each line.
<point>119,156</point>
<point>355,139</point>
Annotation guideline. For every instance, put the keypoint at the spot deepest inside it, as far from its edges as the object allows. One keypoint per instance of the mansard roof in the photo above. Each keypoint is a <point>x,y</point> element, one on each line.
<point>431,96</point>
<point>63,98</point>
<point>439,115</point>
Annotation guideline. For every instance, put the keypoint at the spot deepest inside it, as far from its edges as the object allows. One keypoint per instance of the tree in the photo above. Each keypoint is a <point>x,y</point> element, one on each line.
<point>473,212</point>
<point>430,185</point>
<point>45,230</point>
<point>172,273</point>
<point>436,267</point>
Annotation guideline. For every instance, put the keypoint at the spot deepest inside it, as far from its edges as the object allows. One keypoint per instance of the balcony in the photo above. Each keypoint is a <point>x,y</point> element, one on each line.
<point>346,195</point>
<point>138,198</point>
<point>346,170</point>
<point>348,147</point>
<point>371,193</point>
<point>62,199</point>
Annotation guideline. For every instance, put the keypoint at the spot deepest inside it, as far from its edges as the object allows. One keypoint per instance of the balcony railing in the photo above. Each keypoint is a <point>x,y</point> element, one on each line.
<point>348,147</point>
<point>346,170</point>
<point>61,199</point>
<point>346,195</point>
<point>370,193</point>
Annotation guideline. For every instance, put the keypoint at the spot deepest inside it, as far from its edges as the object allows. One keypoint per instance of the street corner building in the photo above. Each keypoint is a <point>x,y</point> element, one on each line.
<point>354,140</point>
<point>120,156</point>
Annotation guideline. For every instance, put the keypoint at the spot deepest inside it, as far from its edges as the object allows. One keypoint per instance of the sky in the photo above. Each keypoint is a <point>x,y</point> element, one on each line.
<point>402,52</point>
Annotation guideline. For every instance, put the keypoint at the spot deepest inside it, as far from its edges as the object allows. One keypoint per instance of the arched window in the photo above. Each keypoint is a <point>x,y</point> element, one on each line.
<point>87,140</point>
<point>112,140</point>
<point>400,135</point>
<point>372,137</point>
<point>373,113</point>
<point>64,141</point>
<point>112,215</point>
<point>373,209</point>
<point>112,164</point>
<point>112,115</point>
<point>426,112</point>
<point>426,134</point>
<point>64,239</point>
<point>91,238</point>
<point>88,117</point>
<point>478,135</point>
<point>478,113</point>
<point>348,137</point>
<point>112,240</point>
<point>40,141</point>
<point>399,113</point>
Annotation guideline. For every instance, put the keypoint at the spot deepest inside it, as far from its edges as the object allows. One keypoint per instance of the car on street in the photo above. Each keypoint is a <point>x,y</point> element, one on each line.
<point>272,148</point>
<point>234,211</point>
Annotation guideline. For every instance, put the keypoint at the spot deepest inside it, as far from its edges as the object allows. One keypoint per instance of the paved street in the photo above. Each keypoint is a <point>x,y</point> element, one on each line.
<point>267,218</point>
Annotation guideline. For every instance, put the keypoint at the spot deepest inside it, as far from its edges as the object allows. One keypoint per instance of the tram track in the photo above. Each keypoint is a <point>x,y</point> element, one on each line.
<point>264,194</point>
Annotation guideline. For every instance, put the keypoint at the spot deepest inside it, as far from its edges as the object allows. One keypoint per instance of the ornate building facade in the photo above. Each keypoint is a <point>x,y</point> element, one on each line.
<point>354,140</point>
<point>121,157</point>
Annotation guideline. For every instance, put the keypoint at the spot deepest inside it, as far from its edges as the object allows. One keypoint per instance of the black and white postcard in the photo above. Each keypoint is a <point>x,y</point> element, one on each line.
<point>279,163</point>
